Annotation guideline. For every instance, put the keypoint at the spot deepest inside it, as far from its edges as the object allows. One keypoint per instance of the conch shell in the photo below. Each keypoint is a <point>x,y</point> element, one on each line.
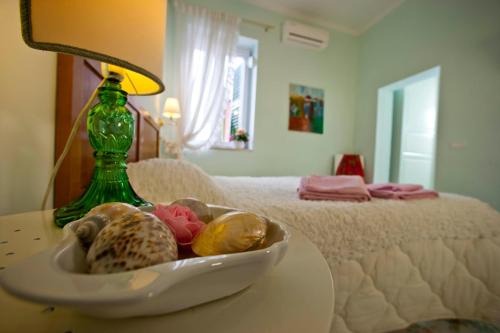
<point>131,242</point>
<point>90,225</point>
<point>230,233</point>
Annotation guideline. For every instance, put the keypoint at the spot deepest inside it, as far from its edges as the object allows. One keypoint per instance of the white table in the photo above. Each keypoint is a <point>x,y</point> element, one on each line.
<point>297,296</point>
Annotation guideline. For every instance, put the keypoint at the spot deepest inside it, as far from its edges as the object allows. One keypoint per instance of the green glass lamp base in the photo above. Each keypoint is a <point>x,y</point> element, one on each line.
<point>109,183</point>
<point>110,127</point>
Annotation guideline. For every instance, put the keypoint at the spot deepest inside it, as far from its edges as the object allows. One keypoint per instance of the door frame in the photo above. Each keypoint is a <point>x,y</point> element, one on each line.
<point>385,109</point>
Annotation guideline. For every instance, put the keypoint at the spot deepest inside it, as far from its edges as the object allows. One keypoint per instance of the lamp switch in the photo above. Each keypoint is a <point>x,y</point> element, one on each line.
<point>457,145</point>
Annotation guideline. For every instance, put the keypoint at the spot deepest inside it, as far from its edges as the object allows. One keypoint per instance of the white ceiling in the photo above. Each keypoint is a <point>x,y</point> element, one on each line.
<point>351,16</point>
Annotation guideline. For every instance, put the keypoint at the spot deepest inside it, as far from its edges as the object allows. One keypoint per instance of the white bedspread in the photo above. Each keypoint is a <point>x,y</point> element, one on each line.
<point>347,230</point>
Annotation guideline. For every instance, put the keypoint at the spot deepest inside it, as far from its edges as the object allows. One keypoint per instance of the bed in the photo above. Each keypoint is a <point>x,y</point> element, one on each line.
<point>393,263</point>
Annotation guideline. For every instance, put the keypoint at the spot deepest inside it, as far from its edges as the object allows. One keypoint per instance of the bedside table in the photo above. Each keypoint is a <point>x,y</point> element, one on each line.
<point>296,296</point>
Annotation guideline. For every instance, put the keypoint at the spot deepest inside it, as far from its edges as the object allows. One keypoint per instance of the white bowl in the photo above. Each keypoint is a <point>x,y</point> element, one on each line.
<point>57,276</point>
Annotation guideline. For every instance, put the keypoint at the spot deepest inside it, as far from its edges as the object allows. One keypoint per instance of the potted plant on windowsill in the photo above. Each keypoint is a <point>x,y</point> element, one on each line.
<point>240,138</point>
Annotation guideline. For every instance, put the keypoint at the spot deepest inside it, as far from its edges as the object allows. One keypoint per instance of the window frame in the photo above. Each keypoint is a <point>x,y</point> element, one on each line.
<point>247,48</point>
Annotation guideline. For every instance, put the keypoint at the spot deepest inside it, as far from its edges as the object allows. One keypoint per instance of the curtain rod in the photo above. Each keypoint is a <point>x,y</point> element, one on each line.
<point>265,26</point>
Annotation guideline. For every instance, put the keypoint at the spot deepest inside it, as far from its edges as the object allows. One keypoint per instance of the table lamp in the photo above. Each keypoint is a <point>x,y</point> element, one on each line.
<point>171,109</point>
<point>128,36</point>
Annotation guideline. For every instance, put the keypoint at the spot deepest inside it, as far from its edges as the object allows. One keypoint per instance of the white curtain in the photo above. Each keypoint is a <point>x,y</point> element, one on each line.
<point>204,43</point>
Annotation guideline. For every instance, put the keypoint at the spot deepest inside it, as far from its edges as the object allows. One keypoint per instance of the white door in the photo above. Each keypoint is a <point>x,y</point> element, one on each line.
<point>418,133</point>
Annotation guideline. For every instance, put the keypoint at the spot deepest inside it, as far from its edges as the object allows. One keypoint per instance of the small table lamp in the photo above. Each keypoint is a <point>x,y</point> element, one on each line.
<point>130,37</point>
<point>171,109</point>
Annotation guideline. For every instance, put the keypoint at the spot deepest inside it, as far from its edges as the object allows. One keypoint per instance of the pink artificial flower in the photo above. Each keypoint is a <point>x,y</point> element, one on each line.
<point>181,220</point>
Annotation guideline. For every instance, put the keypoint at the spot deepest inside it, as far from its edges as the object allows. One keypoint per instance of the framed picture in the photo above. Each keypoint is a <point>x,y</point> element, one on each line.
<point>305,112</point>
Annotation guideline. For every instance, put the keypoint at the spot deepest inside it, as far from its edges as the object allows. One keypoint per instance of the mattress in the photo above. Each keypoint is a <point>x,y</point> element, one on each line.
<point>393,263</point>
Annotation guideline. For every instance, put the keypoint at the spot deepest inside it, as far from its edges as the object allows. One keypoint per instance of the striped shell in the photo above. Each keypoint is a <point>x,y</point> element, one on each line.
<point>112,210</point>
<point>133,241</point>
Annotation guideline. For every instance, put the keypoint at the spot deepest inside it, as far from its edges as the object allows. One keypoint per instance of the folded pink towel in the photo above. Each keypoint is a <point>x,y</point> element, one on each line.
<point>394,187</point>
<point>401,191</point>
<point>341,188</point>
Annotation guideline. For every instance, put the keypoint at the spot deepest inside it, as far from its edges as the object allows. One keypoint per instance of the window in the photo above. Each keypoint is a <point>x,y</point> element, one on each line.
<point>240,94</point>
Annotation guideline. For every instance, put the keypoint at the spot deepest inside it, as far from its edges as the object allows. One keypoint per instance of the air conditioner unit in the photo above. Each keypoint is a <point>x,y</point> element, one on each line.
<point>304,35</point>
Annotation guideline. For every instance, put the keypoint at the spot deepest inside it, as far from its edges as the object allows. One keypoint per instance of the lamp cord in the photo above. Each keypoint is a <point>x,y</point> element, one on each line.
<point>68,144</point>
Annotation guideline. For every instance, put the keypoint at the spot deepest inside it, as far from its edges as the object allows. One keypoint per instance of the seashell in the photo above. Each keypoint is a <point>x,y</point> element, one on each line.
<point>89,227</point>
<point>113,209</point>
<point>98,217</point>
<point>198,207</point>
<point>129,242</point>
<point>230,233</point>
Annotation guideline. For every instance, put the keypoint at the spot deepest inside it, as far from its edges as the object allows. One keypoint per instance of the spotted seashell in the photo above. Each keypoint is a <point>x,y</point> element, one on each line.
<point>230,233</point>
<point>198,207</point>
<point>131,242</point>
<point>90,225</point>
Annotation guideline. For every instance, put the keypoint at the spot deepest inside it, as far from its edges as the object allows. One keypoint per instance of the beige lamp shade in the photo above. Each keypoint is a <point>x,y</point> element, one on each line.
<point>127,34</point>
<point>171,109</point>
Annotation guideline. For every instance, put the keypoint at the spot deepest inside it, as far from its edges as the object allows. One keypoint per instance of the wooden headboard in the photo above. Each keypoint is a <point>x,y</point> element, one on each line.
<point>76,79</point>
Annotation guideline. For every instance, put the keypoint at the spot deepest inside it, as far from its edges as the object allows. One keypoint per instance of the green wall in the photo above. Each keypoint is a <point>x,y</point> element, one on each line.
<point>463,37</point>
<point>278,151</point>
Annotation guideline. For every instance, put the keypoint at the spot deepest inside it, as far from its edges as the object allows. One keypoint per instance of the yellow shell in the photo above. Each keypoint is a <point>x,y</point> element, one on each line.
<point>230,233</point>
